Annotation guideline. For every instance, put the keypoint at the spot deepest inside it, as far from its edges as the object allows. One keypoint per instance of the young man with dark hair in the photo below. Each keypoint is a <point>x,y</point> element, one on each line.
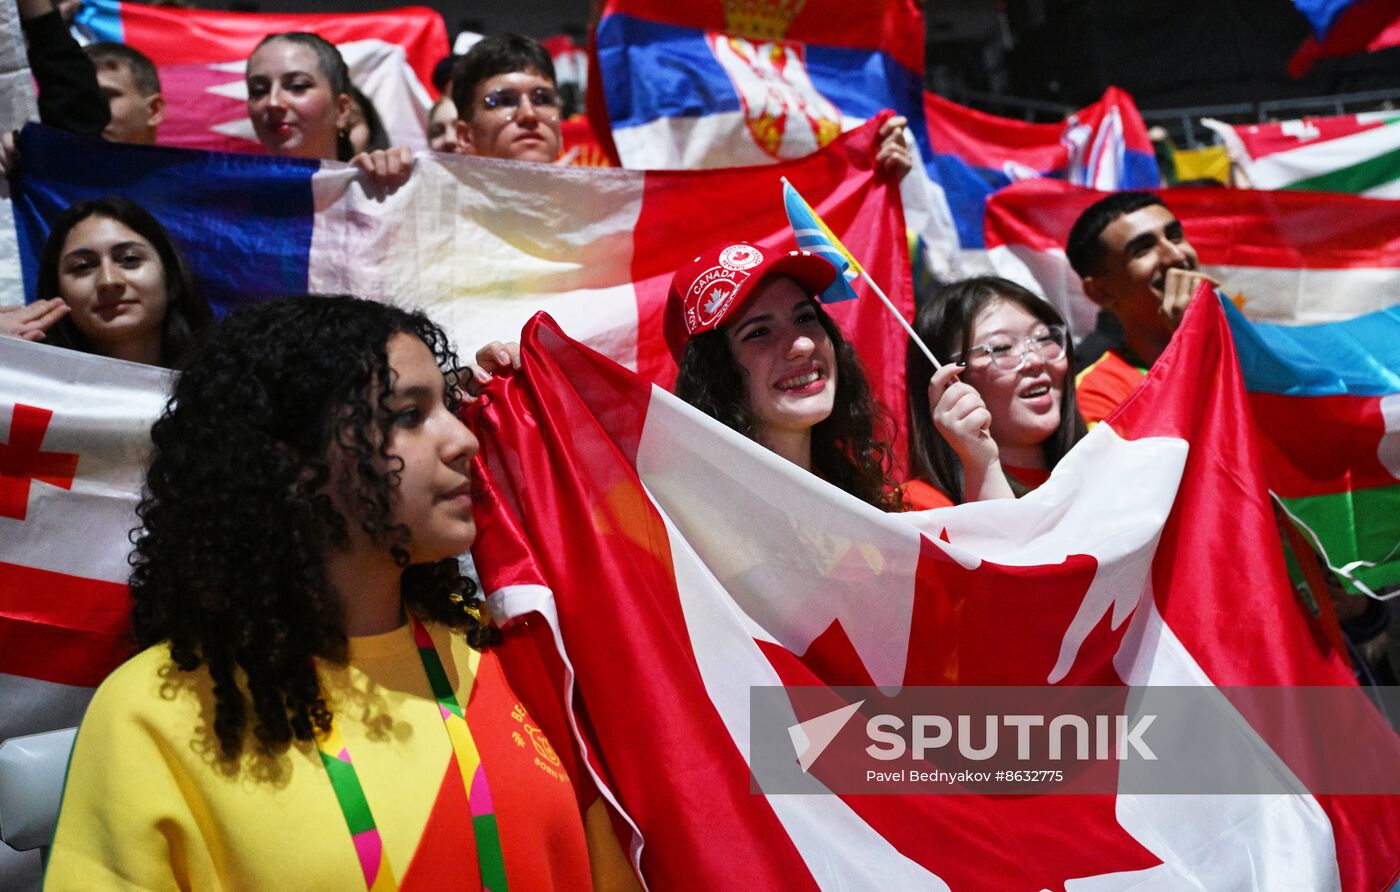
<point>507,102</point>
<point>129,81</point>
<point>1137,265</point>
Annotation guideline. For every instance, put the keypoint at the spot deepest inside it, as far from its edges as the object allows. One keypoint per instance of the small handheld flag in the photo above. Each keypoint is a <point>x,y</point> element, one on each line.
<point>815,236</point>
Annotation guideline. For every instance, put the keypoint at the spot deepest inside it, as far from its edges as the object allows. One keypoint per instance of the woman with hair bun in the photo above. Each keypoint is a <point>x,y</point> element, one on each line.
<point>319,703</point>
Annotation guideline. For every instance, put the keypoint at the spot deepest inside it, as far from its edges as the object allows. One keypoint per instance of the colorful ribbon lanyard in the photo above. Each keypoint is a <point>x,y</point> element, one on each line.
<point>345,781</point>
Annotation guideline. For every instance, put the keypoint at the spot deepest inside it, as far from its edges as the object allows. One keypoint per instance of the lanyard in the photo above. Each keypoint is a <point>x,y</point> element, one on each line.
<point>345,781</point>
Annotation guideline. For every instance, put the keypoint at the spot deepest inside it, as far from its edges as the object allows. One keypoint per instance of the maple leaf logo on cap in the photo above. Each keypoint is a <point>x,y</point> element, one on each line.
<point>740,257</point>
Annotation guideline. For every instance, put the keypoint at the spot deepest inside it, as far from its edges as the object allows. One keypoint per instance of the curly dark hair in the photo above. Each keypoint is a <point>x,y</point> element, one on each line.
<point>187,314</point>
<point>236,515</point>
<point>945,324</point>
<point>850,447</point>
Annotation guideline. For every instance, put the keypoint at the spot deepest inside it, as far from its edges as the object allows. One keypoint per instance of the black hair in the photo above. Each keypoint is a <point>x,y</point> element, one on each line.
<point>1084,248</point>
<point>850,447</point>
<point>235,518</point>
<point>187,314</point>
<point>945,324</point>
<point>493,55</point>
<point>378,136</point>
<point>143,70</point>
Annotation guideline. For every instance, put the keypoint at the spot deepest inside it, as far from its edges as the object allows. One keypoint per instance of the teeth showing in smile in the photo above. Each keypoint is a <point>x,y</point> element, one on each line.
<point>797,381</point>
<point>1035,392</point>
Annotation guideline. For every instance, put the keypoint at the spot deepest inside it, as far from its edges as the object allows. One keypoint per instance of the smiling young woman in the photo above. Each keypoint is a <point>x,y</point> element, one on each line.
<point>757,352</point>
<point>301,105</point>
<point>112,282</point>
<point>319,704</point>
<point>998,417</point>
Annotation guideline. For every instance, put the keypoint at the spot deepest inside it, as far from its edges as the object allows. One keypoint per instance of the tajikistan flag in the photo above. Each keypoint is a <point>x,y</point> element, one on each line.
<point>1359,154</point>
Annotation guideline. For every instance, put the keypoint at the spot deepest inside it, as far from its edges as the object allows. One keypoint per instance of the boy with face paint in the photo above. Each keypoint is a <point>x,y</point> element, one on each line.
<point>1136,263</point>
<point>508,104</point>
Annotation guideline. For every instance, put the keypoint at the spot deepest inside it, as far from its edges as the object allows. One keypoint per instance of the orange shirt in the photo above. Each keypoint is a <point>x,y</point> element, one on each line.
<point>1103,386</point>
<point>920,496</point>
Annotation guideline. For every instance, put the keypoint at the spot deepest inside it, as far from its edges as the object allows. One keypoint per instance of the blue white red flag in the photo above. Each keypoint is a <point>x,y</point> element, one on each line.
<point>481,243</point>
<point>1344,27</point>
<point>715,84</point>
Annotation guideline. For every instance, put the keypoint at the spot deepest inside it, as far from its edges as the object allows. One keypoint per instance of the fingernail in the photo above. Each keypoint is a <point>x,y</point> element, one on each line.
<point>962,365</point>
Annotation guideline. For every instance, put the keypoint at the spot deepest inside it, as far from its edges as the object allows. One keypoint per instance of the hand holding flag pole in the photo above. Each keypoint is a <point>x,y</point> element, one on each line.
<point>814,235</point>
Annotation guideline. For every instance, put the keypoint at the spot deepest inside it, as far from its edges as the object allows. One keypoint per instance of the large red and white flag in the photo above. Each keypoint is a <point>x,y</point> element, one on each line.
<point>1287,257</point>
<point>74,434</point>
<point>667,566</point>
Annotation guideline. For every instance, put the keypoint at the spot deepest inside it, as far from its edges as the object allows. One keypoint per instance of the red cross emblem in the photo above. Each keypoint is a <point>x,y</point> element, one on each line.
<point>21,460</point>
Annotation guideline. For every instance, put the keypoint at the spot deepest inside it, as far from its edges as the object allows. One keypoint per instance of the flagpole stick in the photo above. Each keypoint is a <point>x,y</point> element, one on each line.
<point>865,275</point>
<point>918,341</point>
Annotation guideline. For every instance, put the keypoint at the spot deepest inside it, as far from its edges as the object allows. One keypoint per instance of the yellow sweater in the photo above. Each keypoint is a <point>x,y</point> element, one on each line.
<point>149,805</point>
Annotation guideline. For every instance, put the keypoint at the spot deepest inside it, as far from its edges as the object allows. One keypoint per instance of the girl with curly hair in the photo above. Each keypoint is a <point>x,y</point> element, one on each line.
<point>112,282</point>
<point>758,352</point>
<point>318,704</point>
<point>1001,414</point>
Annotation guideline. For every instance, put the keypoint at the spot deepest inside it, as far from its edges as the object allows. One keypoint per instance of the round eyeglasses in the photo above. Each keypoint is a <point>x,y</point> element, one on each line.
<point>506,101</point>
<point>1010,354</point>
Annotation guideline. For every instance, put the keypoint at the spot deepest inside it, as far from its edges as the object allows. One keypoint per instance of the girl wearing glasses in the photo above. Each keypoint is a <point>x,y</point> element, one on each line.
<point>998,417</point>
<point>301,105</point>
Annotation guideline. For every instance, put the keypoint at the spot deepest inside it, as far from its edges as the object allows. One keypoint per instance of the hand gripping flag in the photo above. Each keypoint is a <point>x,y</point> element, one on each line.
<point>481,244</point>
<point>667,565</point>
<point>726,84</point>
<point>815,236</point>
<point>1287,257</point>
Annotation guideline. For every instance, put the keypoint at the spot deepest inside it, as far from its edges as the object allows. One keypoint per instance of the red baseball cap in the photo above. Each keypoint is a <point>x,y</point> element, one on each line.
<point>709,290</point>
